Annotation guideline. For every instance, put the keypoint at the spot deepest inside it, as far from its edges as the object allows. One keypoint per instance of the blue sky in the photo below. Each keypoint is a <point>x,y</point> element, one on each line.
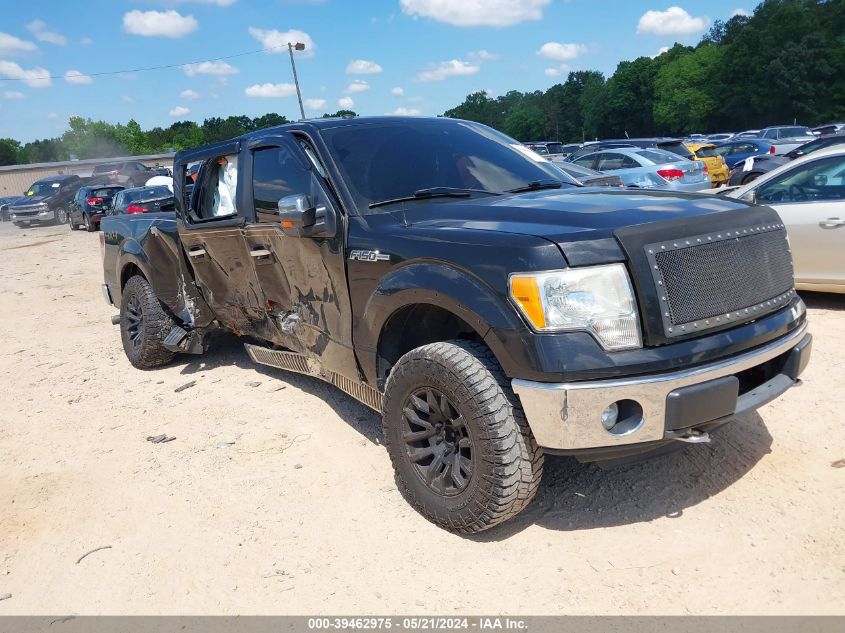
<point>376,57</point>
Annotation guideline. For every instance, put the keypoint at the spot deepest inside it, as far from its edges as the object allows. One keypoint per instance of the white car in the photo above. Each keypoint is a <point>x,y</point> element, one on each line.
<point>809,195</point>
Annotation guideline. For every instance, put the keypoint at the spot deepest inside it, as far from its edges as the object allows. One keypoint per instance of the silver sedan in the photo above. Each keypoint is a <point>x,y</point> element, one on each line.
<point>649,168</point>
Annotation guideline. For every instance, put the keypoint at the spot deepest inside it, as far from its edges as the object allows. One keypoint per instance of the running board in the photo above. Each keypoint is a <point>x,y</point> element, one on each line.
<point>291,361</point>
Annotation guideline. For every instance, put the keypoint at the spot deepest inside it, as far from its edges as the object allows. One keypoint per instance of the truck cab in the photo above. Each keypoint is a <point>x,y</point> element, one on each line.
<point>489,309</point>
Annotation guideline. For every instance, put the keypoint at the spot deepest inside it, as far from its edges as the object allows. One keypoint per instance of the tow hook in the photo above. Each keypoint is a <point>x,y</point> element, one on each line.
<point>115,320</point>
<point>691,436</point>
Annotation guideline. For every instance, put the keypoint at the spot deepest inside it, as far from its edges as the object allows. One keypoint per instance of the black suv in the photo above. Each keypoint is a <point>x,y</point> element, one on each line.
<point>45,202</point>
<point>89,205</point>
<point>131,173</point>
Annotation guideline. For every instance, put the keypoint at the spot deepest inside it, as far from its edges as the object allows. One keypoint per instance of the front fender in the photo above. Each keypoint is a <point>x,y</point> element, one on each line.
<point>433,283</point>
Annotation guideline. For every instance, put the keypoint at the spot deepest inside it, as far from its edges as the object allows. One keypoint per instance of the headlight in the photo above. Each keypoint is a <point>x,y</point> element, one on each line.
<point>595,299</point>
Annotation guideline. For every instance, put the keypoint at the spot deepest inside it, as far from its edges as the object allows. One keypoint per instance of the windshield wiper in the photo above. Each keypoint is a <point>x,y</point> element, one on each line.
<point>434,192</point>
<point>537,185</point>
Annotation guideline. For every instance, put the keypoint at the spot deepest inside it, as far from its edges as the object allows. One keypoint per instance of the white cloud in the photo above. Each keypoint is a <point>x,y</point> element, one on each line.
<point>552,72</point>
<point>34,77</point>
<point>209,68</point>
<point>477,12</point>
<point>127,99</point>
<point>11,45</point>
<point>672,21</point>
<point>189,94</point>
<point>170,24</point>
<point>76,77</point>
<point>363,67</point>
<point>39,29</point>
<point>277,41</point>
<point>663,49</point>
<point>13,95</point>
<point>86,41</point>
<point>346,103</point>
<point>357,86</point>
<point>484,55</point>
<point>397,91</point>
<point>315,104</point>
<point>400,111</point>
<point>740,11</point>
<point>270,90</point>
<point>179,111</point>
<point>561,52</point>
<point>452,68</point>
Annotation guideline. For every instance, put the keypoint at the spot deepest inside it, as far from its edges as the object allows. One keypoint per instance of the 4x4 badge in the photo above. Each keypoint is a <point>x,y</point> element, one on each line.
<point>368,256</point>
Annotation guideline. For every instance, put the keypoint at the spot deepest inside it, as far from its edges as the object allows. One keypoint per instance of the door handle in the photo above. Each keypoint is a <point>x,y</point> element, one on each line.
<point>196,251</point>
<point>831,223</point>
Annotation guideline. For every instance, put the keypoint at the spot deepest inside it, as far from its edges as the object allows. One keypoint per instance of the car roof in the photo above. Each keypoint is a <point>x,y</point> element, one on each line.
<point>836,150</point>
<point>58,178</point>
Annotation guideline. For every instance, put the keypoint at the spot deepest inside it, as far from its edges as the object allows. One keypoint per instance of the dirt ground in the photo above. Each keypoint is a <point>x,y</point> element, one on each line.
<point>277,497</point>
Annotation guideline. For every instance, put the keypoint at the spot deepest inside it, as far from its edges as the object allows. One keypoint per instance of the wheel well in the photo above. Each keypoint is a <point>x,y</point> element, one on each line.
<point>129,271</point>
<point>416,325</point>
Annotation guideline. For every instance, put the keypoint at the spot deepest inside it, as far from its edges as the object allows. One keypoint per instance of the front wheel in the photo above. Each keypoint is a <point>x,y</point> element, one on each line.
<point>144,325</point>
<point>461,448</point>
<point>60,216</point>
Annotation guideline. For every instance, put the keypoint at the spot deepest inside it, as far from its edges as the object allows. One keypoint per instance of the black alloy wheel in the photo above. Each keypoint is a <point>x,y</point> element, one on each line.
<point>437,441</point>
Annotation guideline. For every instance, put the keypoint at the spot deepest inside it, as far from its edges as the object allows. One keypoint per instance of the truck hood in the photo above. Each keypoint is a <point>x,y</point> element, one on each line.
<point>29,201</point>
<point>567,215</point>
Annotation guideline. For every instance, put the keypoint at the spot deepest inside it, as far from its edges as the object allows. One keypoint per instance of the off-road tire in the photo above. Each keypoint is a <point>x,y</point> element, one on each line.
<point>507,464</point>
<point>144,351</point>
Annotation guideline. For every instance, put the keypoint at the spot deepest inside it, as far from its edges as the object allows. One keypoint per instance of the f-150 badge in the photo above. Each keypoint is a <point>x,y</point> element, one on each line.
<point>368,256</point>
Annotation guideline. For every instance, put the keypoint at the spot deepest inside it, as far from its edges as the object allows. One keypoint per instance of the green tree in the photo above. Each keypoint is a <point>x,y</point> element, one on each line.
<point>10,151</point>
<point>686,90</point>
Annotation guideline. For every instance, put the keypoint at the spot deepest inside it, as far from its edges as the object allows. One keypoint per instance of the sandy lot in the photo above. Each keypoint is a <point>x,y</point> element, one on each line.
<point>277,496</point>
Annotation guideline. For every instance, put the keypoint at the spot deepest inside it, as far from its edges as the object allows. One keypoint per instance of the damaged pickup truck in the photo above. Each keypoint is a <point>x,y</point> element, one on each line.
<point>449,279</point>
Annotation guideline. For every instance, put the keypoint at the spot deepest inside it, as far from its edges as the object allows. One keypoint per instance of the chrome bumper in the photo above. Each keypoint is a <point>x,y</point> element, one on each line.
<point>567,416</point>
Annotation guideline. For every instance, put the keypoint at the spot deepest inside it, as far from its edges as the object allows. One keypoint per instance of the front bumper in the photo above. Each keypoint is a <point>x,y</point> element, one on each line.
<point>662,407</point>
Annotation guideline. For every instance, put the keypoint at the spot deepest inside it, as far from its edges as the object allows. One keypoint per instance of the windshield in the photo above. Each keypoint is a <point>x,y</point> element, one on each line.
<point>706,151</point>
<point>43,189</point>
<point>658,156</point>
<point>676,148</point>
<point>146,193</point>
<point>786,132</point>
<point>393,159</point>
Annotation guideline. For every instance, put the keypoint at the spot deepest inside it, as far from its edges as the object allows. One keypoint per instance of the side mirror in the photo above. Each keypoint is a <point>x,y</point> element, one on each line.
<point>751,197</point>
<point>299,217</point>
<point>820,180</point>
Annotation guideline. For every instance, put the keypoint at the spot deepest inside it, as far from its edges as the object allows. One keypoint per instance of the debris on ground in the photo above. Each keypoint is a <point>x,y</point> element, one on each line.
<point>839,463</point>
<point>88,553</point>
<point>187,385</point>
<point>5,596</point>
<point>254,383</point>
<point>160,439</point>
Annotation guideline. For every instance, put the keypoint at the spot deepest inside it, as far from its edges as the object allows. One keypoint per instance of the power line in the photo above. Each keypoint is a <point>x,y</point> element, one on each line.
<point>148,68</point>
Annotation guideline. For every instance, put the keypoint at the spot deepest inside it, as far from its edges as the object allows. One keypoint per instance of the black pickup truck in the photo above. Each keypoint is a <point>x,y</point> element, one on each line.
<point>450,279</point>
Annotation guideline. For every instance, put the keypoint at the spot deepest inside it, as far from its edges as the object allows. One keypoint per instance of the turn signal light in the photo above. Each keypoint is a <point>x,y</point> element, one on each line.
<point>526,293</point>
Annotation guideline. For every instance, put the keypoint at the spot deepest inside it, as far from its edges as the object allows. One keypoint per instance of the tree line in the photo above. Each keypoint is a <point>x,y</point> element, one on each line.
<point>783,64</point>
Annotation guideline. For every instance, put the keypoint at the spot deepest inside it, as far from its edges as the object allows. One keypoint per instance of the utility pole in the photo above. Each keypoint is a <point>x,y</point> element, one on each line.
<point>300,47</point>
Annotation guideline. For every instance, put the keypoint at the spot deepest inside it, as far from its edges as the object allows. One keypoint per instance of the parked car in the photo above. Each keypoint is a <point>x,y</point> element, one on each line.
<point>5,202</point>
<point>588,177</point>
<point>752,168</point>
<point>809,195</point>
<point>649,168</point>
<point>785,138</point>
<point>748,134</point>
<point>130,173</point>
<point>735,151</point>
<point>542,150</point>
<point>363,258</point>
<point>830,128</point>
<point>674,145</point>
<point>717,168</point>
<point>45,202</point>
<point>720,137</point>
<point>553,148</point>
<point>89,205</point>
<point>141,200</point>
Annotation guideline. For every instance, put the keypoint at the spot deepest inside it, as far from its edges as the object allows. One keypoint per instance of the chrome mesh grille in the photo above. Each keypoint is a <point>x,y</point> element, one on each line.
<point>708,281</point>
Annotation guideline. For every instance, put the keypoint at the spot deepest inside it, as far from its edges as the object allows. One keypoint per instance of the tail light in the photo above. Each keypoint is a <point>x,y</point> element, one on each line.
<point>135,208</point>
<point>706,170</point>
<point>670,174</point>
<point>772,149</point>
<point>95,200</point>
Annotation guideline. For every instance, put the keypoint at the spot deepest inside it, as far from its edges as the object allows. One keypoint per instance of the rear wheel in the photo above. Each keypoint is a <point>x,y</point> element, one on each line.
<point>461,448</point>
<point>144,325</point>
<point>89,225</point>
<point>750,178</point>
